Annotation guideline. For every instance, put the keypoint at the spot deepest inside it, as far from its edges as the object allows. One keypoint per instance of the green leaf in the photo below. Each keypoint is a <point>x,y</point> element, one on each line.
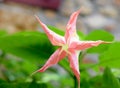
<point>81,35</point>
<point>36,85</point>
<point>23,85</point>
<point>28,45</point>
<point>2,33</point>
<point>111,57</point>
<point>99,35</point>
<point>2,81</point>
<point>96,82</point>
<point>85,84</point>
<point>109,80</point>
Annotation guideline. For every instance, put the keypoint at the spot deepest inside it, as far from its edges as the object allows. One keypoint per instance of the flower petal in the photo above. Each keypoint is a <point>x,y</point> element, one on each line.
<point>54,59</point>
<point>74,65</point>
<point>53,37</point>
<point>71,26</point>
<point>81,45</point>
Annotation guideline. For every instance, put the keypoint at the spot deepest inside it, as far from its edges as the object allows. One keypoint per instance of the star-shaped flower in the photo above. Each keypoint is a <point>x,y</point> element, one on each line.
<point>69,45</point>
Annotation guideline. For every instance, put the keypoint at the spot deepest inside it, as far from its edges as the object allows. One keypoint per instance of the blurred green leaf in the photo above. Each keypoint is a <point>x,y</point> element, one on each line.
<point>96,82</point>
<point>23,85</point>
<point>28,45</point>
<point>81,35</point>
<point>85,84</point>
<point>111,57</point>
<point>109,80</point>
<point>2,81</point>
<point>99,35</point>
<point>2,32</point>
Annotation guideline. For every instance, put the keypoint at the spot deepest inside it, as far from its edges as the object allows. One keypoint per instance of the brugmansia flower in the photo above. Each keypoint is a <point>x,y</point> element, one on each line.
<point>69,45</point>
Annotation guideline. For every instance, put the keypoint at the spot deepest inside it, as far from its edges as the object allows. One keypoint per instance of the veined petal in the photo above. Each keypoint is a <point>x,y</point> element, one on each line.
<point>53,37</point>
<point>74,65</point>
<point>54,59</point>
<point>81,45</point>
<point>71,26</point>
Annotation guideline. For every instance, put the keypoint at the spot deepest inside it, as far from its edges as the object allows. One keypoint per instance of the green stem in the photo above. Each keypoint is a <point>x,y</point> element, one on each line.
<point>76,83</point>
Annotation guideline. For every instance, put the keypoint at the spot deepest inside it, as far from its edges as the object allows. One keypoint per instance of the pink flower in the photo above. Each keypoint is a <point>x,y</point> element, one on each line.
<point>69,45</point>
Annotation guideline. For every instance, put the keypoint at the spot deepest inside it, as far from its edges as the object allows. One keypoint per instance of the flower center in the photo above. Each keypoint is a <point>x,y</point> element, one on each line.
<point>65,47</point>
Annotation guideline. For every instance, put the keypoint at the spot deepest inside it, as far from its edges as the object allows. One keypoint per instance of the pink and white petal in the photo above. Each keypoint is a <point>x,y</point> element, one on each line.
<point>53,37</point>
<point>81,45</point>
<point>74,64</point>
<point>54,59</point>
<point>71,26</point>
<point>73,39</point>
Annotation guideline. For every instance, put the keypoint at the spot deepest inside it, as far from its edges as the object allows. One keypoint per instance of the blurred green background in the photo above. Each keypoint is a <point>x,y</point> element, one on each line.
<point>24,47</point>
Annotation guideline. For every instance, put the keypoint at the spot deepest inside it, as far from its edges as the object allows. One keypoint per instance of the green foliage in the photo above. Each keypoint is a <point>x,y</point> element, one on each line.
<point>99,35</point>
<point>96,82</point>
<point>22,85</point>
<point>28,45</point>
<point>111,57</point>
<point>3,33</point>
<point>101,49</point>
<point>109,80</point>
<point>24,52</point>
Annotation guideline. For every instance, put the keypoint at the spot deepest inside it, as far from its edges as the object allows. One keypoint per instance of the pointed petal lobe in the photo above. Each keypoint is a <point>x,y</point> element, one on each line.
<point>54,59</point>
<point>81,45</point>
<point>74,65</point>
<point>71,26</point>
<point>53,37</point>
